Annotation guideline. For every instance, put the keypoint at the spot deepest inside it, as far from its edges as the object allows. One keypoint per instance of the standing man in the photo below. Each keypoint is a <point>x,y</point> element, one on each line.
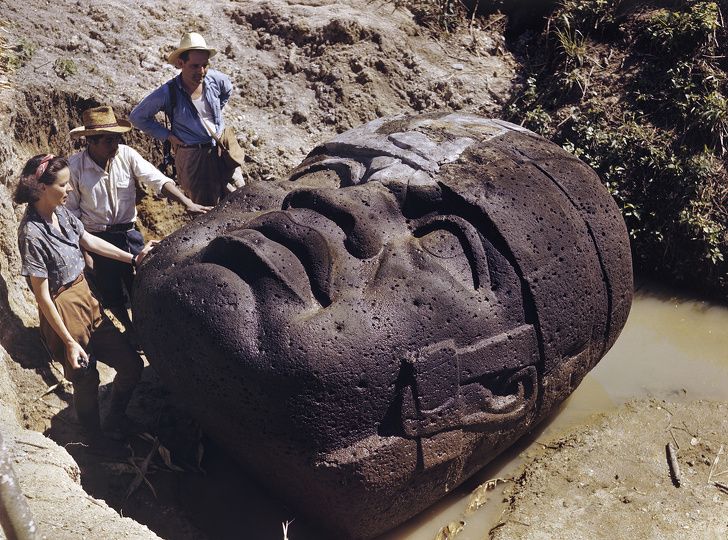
<point>193,101</point>
<point>104,199</point>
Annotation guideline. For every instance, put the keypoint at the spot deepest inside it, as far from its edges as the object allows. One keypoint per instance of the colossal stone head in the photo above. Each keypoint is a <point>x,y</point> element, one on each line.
<point>369,332</point>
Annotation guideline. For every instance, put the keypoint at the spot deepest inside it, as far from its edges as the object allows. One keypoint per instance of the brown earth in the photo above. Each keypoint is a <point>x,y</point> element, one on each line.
<point>611,478</point>
<point>302,71</point>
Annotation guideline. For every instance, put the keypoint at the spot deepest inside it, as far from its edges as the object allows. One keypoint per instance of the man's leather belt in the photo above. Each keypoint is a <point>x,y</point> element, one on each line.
<point>200,145</point>
<point>120,227</point>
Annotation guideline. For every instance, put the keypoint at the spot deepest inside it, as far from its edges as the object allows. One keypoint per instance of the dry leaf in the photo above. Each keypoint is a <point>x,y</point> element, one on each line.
<point>450,530</point>
<point>167,458</point>
<point>480,495</point>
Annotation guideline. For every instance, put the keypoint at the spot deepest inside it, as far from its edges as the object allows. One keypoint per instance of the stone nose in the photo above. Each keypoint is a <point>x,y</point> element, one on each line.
<point>367,216</point>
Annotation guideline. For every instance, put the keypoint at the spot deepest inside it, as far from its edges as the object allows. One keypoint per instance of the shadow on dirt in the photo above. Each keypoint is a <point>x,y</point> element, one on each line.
<point>170,477</point>
<point>23,343</point>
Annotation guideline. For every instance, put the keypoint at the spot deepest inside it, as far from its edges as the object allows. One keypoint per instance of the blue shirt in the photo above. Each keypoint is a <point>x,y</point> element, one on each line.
<point>186,124</point>
<point>47,252</point>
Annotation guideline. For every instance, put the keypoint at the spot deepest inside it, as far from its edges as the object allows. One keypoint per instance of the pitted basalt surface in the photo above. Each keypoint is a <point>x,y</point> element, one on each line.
<point>368,333</point>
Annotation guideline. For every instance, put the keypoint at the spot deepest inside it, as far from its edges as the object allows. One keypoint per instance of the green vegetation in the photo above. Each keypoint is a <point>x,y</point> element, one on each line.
<point>64,67</point>
<point>16,56</point>
<point>639,91</point>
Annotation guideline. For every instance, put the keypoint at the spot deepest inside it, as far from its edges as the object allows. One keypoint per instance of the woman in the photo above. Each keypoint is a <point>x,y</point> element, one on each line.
<point>72,325</point>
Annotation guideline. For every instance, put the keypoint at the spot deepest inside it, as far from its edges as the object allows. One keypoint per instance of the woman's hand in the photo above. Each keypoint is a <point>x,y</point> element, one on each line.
<point>74,353</point>
<point>143,253</point>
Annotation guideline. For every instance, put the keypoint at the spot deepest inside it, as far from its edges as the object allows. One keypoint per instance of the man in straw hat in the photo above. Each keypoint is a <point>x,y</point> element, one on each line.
<point>103,177</point>
<point>193,102</point>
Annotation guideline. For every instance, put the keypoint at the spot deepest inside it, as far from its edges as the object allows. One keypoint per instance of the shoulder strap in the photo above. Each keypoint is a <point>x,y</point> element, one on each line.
<point>172,87</point>
<point>167,166</point>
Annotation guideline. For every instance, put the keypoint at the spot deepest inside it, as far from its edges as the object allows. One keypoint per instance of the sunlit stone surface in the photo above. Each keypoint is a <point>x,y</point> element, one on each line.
<point>369,332</point>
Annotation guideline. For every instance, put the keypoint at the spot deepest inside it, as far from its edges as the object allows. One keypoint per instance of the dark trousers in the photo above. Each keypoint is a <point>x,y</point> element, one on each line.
<point>202,173</point>
<point>111,277</point>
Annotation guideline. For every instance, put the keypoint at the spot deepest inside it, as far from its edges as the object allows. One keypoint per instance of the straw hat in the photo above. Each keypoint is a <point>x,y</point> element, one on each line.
<point>191,41</point>
<point>98,120</point>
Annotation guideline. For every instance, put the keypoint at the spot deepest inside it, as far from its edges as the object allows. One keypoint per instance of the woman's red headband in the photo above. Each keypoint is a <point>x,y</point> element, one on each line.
<point>42,166</point>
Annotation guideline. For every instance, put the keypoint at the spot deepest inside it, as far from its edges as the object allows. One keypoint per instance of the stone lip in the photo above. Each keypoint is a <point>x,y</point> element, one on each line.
<point>366,334</point>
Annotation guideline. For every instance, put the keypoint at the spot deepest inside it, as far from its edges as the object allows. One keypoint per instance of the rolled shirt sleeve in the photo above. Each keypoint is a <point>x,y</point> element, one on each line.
<point>143,115</point>
<point>226,89</point>
<point>146,173</point>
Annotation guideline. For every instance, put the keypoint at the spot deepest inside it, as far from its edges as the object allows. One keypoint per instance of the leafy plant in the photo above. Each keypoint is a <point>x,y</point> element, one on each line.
<point>682,32</point>
<point>14,57</point>
<point>571,44</point>
<point>64,67</point>
<point>591,16</point>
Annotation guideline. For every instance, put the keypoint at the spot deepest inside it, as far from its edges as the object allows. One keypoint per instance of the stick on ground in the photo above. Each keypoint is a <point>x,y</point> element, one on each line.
<point>674,467</point>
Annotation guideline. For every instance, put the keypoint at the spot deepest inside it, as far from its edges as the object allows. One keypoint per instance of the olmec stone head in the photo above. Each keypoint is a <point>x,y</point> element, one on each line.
<point>369,332</point>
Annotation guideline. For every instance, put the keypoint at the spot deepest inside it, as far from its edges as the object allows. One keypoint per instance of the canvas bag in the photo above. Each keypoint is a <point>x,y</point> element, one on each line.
<point>229,148</point>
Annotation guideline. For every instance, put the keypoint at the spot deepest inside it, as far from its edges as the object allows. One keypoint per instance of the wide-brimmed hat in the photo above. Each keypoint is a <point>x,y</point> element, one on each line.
<point>191,41</point>
<point>98,120</point>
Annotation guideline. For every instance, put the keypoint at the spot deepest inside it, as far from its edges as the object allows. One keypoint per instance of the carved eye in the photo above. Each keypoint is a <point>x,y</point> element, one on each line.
<point>452,250</point>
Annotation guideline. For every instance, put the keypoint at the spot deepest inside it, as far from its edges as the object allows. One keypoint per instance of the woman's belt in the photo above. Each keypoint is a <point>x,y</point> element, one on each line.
<point>67,286</point>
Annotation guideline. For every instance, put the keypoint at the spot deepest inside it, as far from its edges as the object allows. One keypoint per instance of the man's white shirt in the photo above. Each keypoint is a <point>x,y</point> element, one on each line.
<point>100,198</point>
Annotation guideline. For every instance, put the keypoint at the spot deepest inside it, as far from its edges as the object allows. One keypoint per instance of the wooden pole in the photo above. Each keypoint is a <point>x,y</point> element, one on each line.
<point>15,517</point>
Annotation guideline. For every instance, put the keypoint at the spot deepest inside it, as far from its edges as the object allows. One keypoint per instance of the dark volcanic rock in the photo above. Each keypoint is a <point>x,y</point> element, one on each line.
<point>368,333</point>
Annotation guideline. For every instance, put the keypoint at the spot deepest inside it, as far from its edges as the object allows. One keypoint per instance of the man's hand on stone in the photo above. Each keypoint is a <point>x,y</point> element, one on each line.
<point>196,209</point>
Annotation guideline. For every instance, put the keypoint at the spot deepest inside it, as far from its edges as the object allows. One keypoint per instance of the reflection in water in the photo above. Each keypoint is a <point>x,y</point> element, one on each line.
<point>670,348</point>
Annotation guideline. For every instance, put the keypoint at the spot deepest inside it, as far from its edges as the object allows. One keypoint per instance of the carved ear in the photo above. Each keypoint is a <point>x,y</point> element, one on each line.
<point>491,403</point>
<point>496,402</point>
<point>450,388</point>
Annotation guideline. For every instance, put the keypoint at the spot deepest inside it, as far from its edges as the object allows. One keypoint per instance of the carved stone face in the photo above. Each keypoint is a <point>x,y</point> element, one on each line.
<point>413,298</point>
